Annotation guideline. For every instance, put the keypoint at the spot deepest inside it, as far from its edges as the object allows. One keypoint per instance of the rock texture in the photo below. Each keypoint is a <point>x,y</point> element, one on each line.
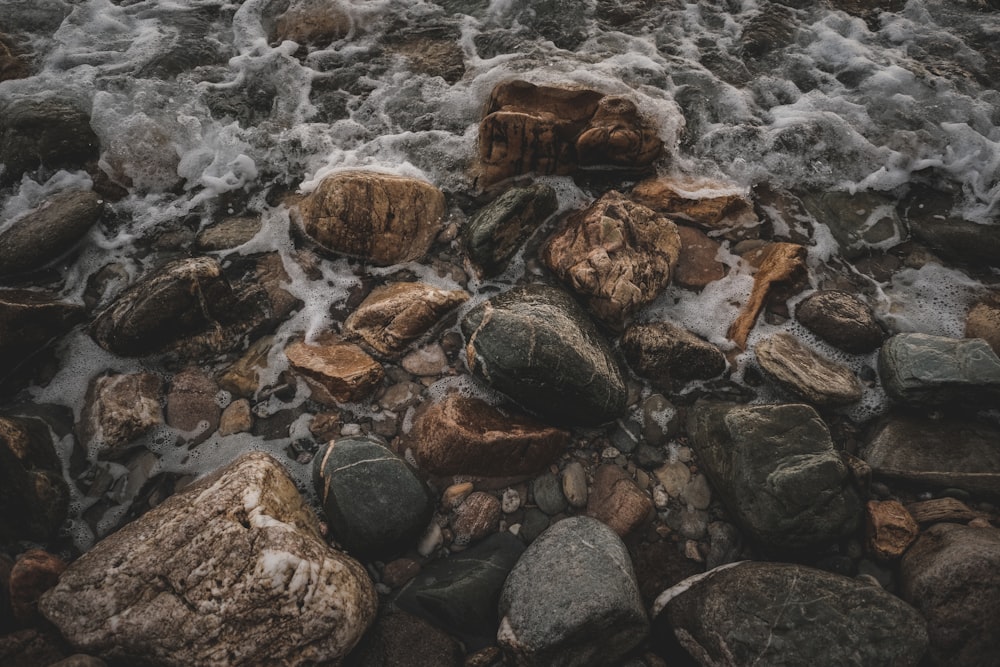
<point>617,501</point>
<point>669,355</point>
<point>118,409</point>
<point>44,131</point>
<point>33,495</point>
<point>35,572</point>
<point>338,371</point>
<point>983,321</point>
<point>697,265</point>
<point>781,263</point>
<point>805,373</point>
<point>317,22</point>
<point>48,232</point>
<point>859,222</point>
<point>711,205</point>
<point>919,369</point>
<point>494,234</point>
<point>841,319</point>
<point>890,529</point>
<point>248,580</point>
<point>398,638</point>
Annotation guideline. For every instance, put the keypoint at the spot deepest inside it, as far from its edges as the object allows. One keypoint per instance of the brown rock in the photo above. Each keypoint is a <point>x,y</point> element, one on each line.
<point>378,217</point>
<point>617,135</point>
<point>805,373</point>
<point>433,55</point>
<point>120,408</point>
<point>399,638</point>
<point>337,371</point>
<point>242,378</point>
<point>316,22</point>
<point>477,517</point>
<point>780,263</point>
<point>230,233</point>
<point>670,356</point>
<point>31,648</point>
<point>697,265</point>
<point>236,418</point>
<point>192,405</point>
<point>273,278</point>
<point>34,497</point>
<point>942,510</point>
<point>711,205</point>
<point>841,319</point>
<point>395,315</point>
<point>12,65</point>
<point>616,254</point>
<point>890,529</point>
<point>455,494</point>
<point>618,501</point>
<point>467,436</point>
<point>983,321</point>
<point>35,572</point>
<point>426,361</point>
<point>397,572</point>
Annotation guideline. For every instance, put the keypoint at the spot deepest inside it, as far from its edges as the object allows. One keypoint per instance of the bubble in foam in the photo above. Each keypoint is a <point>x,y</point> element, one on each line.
<point>223,398</point>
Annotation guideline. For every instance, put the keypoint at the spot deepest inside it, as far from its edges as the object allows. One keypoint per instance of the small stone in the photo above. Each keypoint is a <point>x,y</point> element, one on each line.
<point>574,484</point>
<point>400,396</point>
<point>13,65</point>
<point>497,231</point>
<point>670,356</point>
<point>242,378</point>
<point>691,551</point>
<point>535,521</point>
<point>805,373</point>
<point>476,518</point>
<point>660,420</point>
<point>397,572</point>
<point>548,495</point>
<point>617,501</point>
<point>35,572</point>
<point>610,453</point>
<point>841,319</point>
<point>430,541</point>
<point>983,321</point>
<point>697,493</point>
<point>44,131</point>
<point>890,529</point>
<point>510,501</point>
<point>674,477</point>
<point>661,499</point>
<point>339,372</point>
<point>692,523</point>
<point>455,494</point>
<point>120,408</point>
<point>236,418</point>
<point>712,205</point>
<point>229,233</point>
<point>725,544</point>
<point>429,361</point>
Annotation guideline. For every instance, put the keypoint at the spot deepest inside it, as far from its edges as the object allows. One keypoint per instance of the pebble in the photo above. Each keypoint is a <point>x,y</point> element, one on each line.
<point>610,452</point>
<point>697,492</point>
<point>236,418</point>
<point>674,476</point>
<point>691,552</point>
<point>574,485</point>
<point>477,517</point>
<point>399,571</point>
<point>431,540</point>
<point>510,501</point>
<point>535,521</point>
<point>426,361</point>
<point>548,495</point>
<point>661,499</point>
<point>455,494</point>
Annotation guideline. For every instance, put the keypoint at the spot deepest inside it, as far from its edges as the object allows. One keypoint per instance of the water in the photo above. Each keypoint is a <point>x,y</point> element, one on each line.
<point>202,113</point>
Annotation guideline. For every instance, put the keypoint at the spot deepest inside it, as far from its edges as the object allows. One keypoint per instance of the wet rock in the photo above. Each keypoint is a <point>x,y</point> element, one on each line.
<point>427,361</point>
<point>337,371</point>
<point>951,575</point>
<point>395,315</point>
<point>616,254</point>
<point>29,320</point>
<point>494,234</point>
<point>270,274</point>
<point>572,599</point>
<point>546,490</point>
<point>48,132</point>
<point>725,544</point>
<point>574,485</point>
<point>35,572</point>
<point>770,30</point>
<point>941,510</point>
<point>780,264</point>
<point>34,498</point>
<point>477,517</point>
<point>380,218</point>
<point>841,319</point>
<point>983,321</point>
<point>711,205</point>
<point>536,345</point>
<point>929,216</point>
<point>31,648</point>
<point>315,22</point>
<point>785,614</point>
<point>617,135</point>
<point>697,493</point>
<point>670,356</point>
<point>228,233</point>
<point>48,232</point>
<point>192,405</point>
<point>805,373</point>
<point>248,579</point>
<point>920,369</point>
<point>467,436</point>
<point>434,52</point>
<point>242,378</point>
<point>13,65</point>
<point>236,418</point>
<point>786,450</point>
<point>673,476</point>
<point>617,501</point>
<point>660,420</point>
<point>118,409</point>
<point>398,638</point>
<point>373,502</point>
<point>890,528</point>
<point>697,265</point>
<point>859,222</point>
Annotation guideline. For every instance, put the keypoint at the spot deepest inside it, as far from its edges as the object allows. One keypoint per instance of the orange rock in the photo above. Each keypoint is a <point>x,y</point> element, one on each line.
<point>780,263</point>
<point>697,265</point>
<point>617,500</point>
<point>477,517</point>
<point>617,135</point>
<point>337,371</point>
<point>890,528</point>
<point>711,205</point>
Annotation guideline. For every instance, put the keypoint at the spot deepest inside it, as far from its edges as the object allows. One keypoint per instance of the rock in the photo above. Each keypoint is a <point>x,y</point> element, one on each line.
<point>841,319</point>
<point>494,234</point>
<point>697,493</point>
<point>373,502</point>
<point>35,572</point>
<point>34,498</point>
<point>427,361</point>
<point>48,232</point>
<point>395,315</point>
<point>316,22</point>
<point>617,501</point>
<point>229,233</point>
<point>890,529</point>
<point>80,660</point>
<point>467,436</point>
<point>118,409</point>
<point>669,356</point>
<point>396,573</point>
<point>617,135</point>
<point>660,420</point>
<point>433,51</point>
<point>242,378</point>
<point>380,218</point>
<point>860,222</point>
<point>477,517</point>
<point>272,278</point>
<point>13,65</point>
<point>574,485</point>
<point>780,264</point>
<point>951,575</point>
<point>920,369</point>
<point>929,216</point>
<point>398,638</point>
<point>536,345</point>
<point>546,490</point>
<point>30,319</point>
<point>31,648</point>
<point>236,418</point>
<point>776,470</point>
<point>44,131</point>
<point>983,321</point>
<point>337,371</point>
<point>935,453</point>
<point>248,580</point>
<point>674,476</point>
<point>782,614</point>
<point>616,254</point>
<point>193,405</point>
<point>711,205</point>
<point>725,544</point>
<point>572,599</point>
<point>805,373</point>
<point>773,28</point>
<point>453,496</point>
<point>941,510</point>
<point>697,265</point>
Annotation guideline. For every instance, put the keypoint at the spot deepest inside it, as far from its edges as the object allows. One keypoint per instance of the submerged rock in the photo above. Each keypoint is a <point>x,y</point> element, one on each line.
<point>841,319</point>
<point>48,232</point>
<point>248,580</point>
<point>670,356</point>
<point>920,369</point>
<point>118,409</point>
<point>494,235</point>
<point>859,222</point>
<point>316,22</point>
<point>44,131</point>
<point>930,218</point>
<point>697,265</point>
<point>29,320</point>
<point>805,373</point>
<point>13,65</point>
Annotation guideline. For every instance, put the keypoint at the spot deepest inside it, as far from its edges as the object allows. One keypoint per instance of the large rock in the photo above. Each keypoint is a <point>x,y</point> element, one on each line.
<point>48,232</point>
<point>535,344</point>
<point>670,356</point>
<point>44,132</point>
<point>380,218</point>
<point>233,570</point>
<point>779,614</point>
<point>841,319</point>
<point>498,230</point>
<point>920,369</point>
<point>805,373</point>
<point>118,409</point>
<point>572,599</point>
<point>34,499</point>
<point>460,435</point>
<point>337,371</point>
<point>616,254</point>
<point>712,205</point>
<point>951,574</point>
<point>775,468</point>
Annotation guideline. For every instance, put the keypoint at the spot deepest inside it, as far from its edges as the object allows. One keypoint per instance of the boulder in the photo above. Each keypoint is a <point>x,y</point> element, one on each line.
<point>232,570</point>
<point>48,232</point>
<point>572,599</point>
<point>461,435</point>
<point>616,254</point>
<point>920,369</point>
<point>775,468</point>
<point>380,218</point>
<point>34,498</point>
<point>496,232</point>
<point>44,131</point>
<point>337,371</point>
<point>780,264</point>
<point>118,409</point>
<point>697,265</point>
<point>750,613</point>
<point>841,319</point>
<point>670,356</point>
<point>805,373</point>
<point>711,205</point>
<point>536,345</point>
<point>617,501</point>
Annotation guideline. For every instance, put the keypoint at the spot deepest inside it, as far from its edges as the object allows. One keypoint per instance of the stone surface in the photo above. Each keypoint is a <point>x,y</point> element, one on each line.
<point>535,344</point>
<point>498,230</point>
<point>381,218</point>
<point>48,232</point>
<point>467,436</point>
<point>889,528</point>
<point>229,233</point>
<point>372,500</point>
<point>338,371</point>
<point>248,580</point>
<point>920,369</point>
<point>617,501</point>
<point>118,409</point>
<point>776,470</point>
<point>616,254</point>
<point>395,315</point>
<point>193,405</point>
<point>546,491</point>
<point>427,361</point>
<point>34,498</point>
<point>806,373</point>
<point>242,378</point>
<point>317,22</point>
<point>670,356</point>
<point>44,131</point>
<point>841,319</point>
<point>572,599</point>
<point>574,484</point>
<point>236,418</point>
<point>781,614</point>
<point>31,648</point>
<point>930,219</point>
<point>941,510</point>
<point>983,321</point>
<point>859,222</point>
<point>697,265</point>
<point>951,575</point>
<point>674,476</point>
<point>780,264</point>
<point>475,518</point>
<point>399,638</point>
<point>711,205</point>
<point>13,65</point>
<point>35,572</point>
<point>29,319</point>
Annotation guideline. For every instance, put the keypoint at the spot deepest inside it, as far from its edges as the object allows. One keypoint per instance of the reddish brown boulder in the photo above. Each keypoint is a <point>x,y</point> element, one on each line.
<point>337,371</point>
<point>890,529</point>
<point>697,265</point>
<point>35,572</point>
<point>711,205</point>
<point>779,263</point>
<point>617,500</point>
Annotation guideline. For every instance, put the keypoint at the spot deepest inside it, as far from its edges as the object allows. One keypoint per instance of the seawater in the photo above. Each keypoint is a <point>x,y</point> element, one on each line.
<point>201,114</point>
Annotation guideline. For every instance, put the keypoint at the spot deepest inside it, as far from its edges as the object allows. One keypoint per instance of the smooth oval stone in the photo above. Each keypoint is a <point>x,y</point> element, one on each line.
<point>536,345</point>
<point>841,319</point>
<point>920,369</point>
<point>48,232</point>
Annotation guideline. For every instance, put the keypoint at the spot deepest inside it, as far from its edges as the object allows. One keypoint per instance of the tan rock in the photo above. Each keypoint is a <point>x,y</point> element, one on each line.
<point>395,315</point>
<point>780,263</point>
<point>433,56</point>
<point>674,476</point>
<point>616,254</point>
<point>337,371</point>
<point>120,408</point>
<point>697,265</point>
<point>313,22</point>
<point>455,494</point>
<point>805,373</point>
<point>35,572</point>
<point>617,135</point>
<point>617,500</point>
<point>242,378</point>
<point>236,418</point>
<point>377,217</point>
<point>712,205</point>
<point>192,404</point>
<point>477,517</point>
<point>890,529</point>
<point>942,510</point>
<point>983,321</point>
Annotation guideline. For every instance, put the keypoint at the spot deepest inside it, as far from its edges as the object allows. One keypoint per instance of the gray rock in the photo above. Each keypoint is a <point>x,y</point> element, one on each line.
<point>805,373</point>
<point>494,234</point>
<point>951,575</point>
<point>928,214</point>
<point>775,469</point>
<point>841,319</point>
<point>232,570</point>
<point>44,132</point>
<point>34,498</point>
<point>660,420</point>
<point>44,16</point>
<point>372,499</point>
<point>48,232</point>
<point>535,344</point>
<point>548,495</point>
<point>534,524</point>
<point>859,221</point>
<point>572,599</point>
<point>670,356</point>
<point>920,369</point>
<point>779,614</point>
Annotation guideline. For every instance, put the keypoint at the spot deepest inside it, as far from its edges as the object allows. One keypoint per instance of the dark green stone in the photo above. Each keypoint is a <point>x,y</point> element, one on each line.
<point>920,369</point>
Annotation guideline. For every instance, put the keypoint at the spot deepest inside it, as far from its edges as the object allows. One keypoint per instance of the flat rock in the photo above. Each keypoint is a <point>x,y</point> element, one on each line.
<point>34,498</point>
<point>315,22</point>
<point>496,232</point>
<point>193,405</point>
<point>929,216</point>
<point>229,233</point>
<point>806,373</point>
<point>841,319</point>
<point>118,409</point>
<point>535,344</point>
<point>920,369</point>
<point>44,131</point>
<point>775,468</point>
<point>670,356</point>
<point>338,371</point>
<point>617,501</point>
<point>248,580</point>
<point>48,232</point>
<point>616,254</point>
<point>697,265</point>
<point>711,205</point>
<point>779,614</point>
